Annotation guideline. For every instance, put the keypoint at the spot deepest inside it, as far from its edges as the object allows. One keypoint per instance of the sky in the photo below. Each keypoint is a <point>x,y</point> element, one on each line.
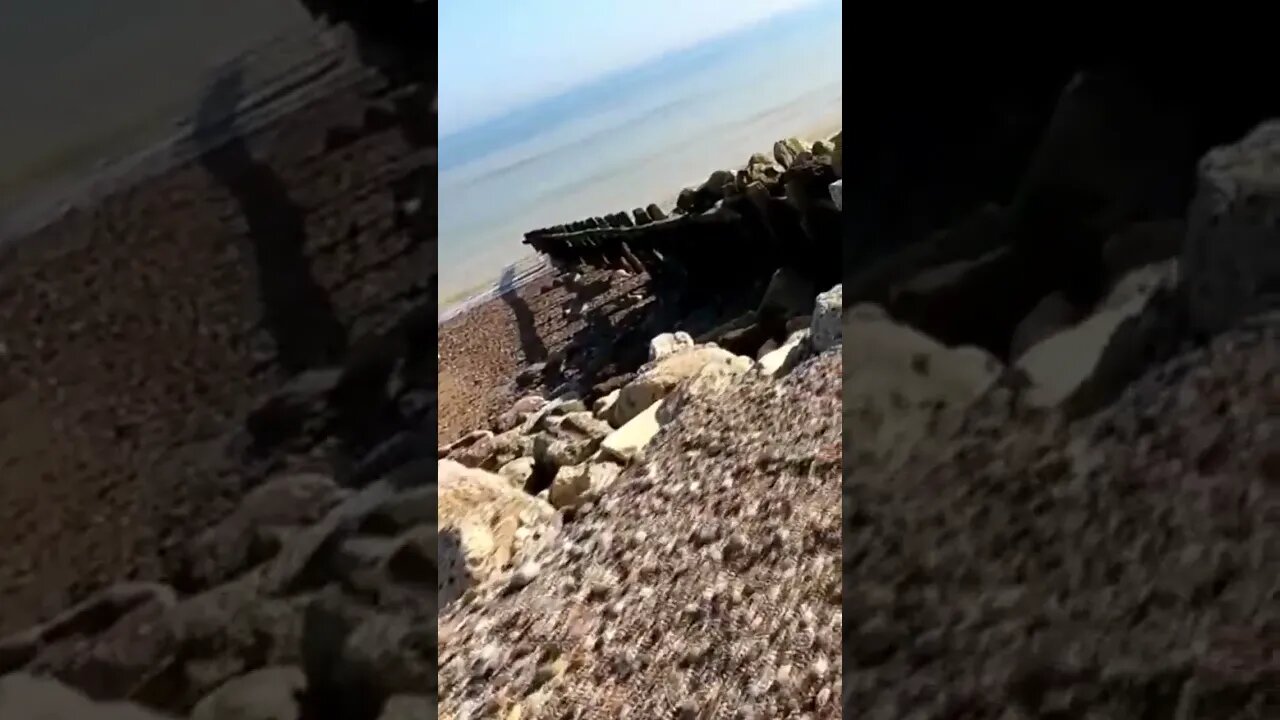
<point>496,55</point>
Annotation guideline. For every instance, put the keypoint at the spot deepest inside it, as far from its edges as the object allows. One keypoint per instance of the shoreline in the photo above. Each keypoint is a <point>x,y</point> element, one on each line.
<point>490,290</point>
<point>537,268</point>
<point>312,65</point>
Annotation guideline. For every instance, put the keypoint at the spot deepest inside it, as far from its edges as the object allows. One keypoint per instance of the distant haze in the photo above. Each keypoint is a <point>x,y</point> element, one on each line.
<point>498,54</point>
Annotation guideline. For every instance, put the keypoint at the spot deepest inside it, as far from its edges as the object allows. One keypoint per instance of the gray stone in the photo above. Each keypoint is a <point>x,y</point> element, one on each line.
<point>1231,263</point>
<point>518,471</point>
<point>786,152</point>
<point>824,332</point>
<point>242,538</point>
<point>266,694</point>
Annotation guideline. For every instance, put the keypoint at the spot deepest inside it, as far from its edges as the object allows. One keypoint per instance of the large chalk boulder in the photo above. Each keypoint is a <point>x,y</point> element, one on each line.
<point>902,387</point>
<point>486,527</point>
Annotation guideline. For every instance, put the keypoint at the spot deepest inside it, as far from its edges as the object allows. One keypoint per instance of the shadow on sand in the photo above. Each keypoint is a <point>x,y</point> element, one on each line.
<point>296,311</point>
<point>534,349</point>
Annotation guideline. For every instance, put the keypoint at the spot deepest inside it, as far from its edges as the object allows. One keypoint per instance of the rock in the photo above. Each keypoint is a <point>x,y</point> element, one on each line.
<point>1050,316</point>
<point>414,558</point>
<point>760,169</point>
<point>529,404</point>
<point>837,194</point>
<point>485,525</point>
<point>266,694</point>
<point>655,212</point>
<point>1081,369</point>
<point>781,360</point>
<point>687,201</point>
<point>668,344</point>
<point>228,631</point>
<point>627,441</point>
<point>821,149</point>
<point>577,484</point>
<point>712,379</point>
<point>520,412</point>
<point>658,379</point>
<point>962,301</point>
<point>603,406</point>
<point>1112,152</point>
<point>355,660</point>
<point>305,560</point>
<point>554,408</point>
<point>714,187</point>
<point>285,413</point>
<point>110,643</point>
<point>402,448</point>
<point>242,538</point>
<point>788,294</point>
<point>1142,244</point>
<point>837,156</point>
<point>359,562</point>
<point>409,707</point>
<point>24,697</point>
<point>824,332</point>
<point>491,453</point>
<point>391,649</point>
<point>569,439</point>
<point>787,151</point>
<point>768,347</point>
<point>518,472</point>
<point>902,387</point>
<point>1231,263</point>
<point>463,442</point>
<point>532,374</point>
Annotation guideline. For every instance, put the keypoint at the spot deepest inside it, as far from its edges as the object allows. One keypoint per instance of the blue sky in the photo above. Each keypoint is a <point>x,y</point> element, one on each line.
<point>498,54</point>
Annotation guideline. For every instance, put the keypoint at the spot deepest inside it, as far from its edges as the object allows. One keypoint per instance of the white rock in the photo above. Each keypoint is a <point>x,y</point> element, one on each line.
<point>518,471</point>
<point>667,344</point>
<point>711,379</point>
<point>658,379</point>
<point>902,387</point>
<point>1081,368</point>
<point>576,484</point>
<point>480,518</point>
<point>603,406</point>
<point>824,332</point>
<point>625,442</point>
<point>781,360</point>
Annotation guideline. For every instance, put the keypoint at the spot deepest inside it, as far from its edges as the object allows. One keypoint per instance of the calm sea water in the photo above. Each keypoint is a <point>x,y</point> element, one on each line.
<point>631,139</point>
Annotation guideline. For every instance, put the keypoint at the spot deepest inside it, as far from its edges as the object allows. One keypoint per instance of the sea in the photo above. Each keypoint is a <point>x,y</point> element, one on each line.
<point>629,139</point>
